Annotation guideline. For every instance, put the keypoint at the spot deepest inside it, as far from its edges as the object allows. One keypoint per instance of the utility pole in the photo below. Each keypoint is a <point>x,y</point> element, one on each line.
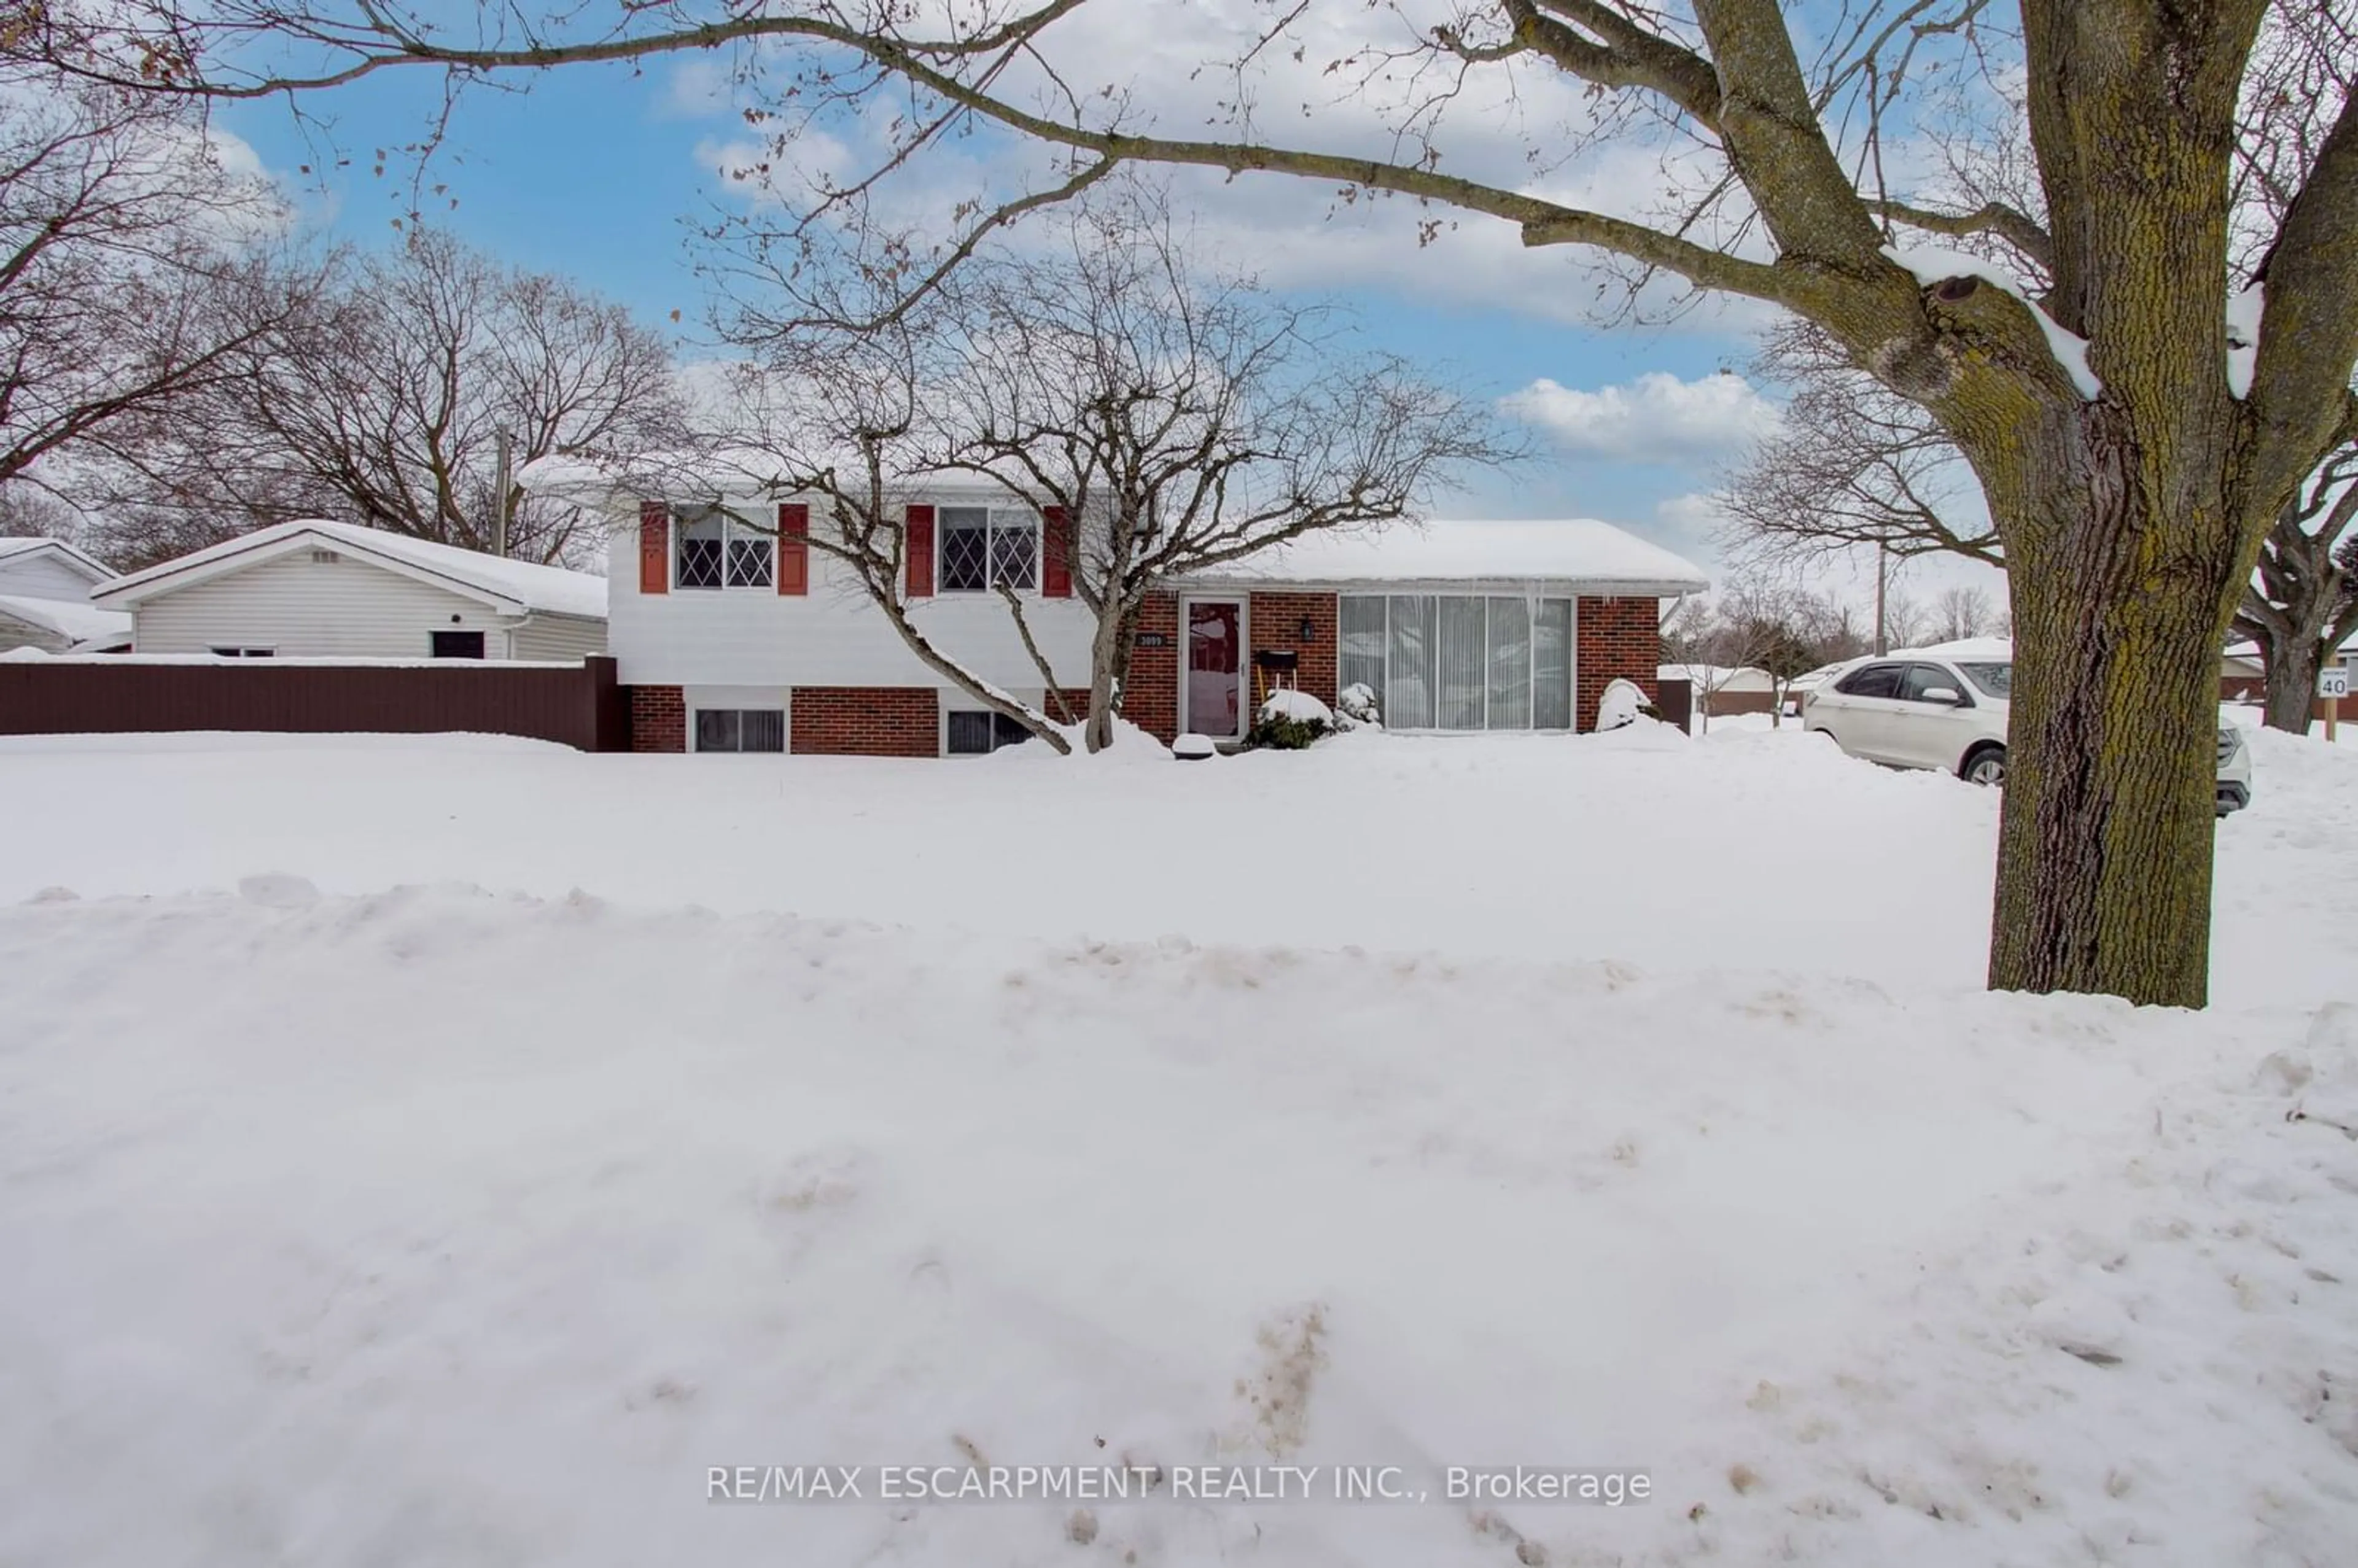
<point>503,484</point>
<point>1882,556</point>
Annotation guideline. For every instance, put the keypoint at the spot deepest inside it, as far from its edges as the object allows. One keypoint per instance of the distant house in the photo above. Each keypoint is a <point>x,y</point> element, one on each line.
<point>2242,678</point>
<point>730,641</point>
<point>1722,691</point>
<point>325,590</point>
<point>45,586</point>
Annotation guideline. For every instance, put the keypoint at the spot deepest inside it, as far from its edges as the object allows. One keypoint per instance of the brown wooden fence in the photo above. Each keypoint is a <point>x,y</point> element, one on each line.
<point>578,706</point>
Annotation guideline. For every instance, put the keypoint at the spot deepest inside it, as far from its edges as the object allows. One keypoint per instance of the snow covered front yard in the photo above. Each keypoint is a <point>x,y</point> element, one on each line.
<point>451,1152</point>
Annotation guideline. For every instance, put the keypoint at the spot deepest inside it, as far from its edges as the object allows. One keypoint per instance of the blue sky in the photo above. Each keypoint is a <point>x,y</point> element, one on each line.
<point>598,172</point>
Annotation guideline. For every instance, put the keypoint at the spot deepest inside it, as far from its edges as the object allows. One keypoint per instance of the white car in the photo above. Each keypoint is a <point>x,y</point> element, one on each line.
<point>1798,689</point>
<point>1935,709</point>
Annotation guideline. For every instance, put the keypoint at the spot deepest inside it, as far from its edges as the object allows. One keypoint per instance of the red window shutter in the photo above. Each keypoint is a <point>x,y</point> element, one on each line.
<point>917,540</point>
<point>655,547</point>
<point>794,554</point>
<point>1055,559</point>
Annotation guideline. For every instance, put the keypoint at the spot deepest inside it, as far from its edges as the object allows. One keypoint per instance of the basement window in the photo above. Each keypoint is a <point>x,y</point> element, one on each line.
<point>242,653</point>
<point>980,732</point>
<point>740,729</point>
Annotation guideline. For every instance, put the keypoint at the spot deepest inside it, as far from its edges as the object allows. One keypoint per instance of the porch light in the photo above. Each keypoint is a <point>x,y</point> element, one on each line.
<point>1309,629</point>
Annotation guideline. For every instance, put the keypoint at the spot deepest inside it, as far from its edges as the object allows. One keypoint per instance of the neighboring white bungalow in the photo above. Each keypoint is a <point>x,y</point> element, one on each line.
<point>325,590</point>
<point>45,586</point>
<point>745,638</point>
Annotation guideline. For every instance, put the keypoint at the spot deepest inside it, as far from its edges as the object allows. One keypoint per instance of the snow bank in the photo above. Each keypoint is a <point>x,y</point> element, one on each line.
<point>1800,836</point>
<point>466,1229</point>
<point>1613,1101</point>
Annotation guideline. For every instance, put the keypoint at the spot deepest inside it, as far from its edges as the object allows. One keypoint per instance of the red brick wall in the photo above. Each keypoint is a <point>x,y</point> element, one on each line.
<point>1618,639</point>
<point>658,719</point>
<point>1275,622</point>
<point>864,721</point>
<point>1150,696</point>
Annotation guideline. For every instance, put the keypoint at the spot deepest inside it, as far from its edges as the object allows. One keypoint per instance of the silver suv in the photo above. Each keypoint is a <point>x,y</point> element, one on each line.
<point>1933,709</point>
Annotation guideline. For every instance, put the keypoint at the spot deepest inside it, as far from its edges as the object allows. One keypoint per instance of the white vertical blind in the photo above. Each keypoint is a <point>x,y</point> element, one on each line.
<point>1551,665</point>
<point>1459,660</point>
<point>1510,664</point>
<point>1360,651</point>
<point>1410,684</point>
<point>1462,681</point>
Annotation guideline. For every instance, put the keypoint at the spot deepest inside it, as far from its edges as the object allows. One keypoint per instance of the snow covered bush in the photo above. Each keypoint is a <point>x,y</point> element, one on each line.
<point>1290,720</point>
<point>1354,707</point>
<point>1622,705</point>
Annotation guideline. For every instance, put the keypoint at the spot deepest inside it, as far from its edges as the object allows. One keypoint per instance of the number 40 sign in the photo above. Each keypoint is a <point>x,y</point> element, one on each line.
<point>2334,681</point>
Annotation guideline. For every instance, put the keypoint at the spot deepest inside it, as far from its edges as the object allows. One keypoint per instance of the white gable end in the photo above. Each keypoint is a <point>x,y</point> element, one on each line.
<point>44,575</point>
<point>301,605</point>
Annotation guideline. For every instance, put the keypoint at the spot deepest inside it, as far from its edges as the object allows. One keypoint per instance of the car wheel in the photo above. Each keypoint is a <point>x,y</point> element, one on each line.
<point>1986,766</point>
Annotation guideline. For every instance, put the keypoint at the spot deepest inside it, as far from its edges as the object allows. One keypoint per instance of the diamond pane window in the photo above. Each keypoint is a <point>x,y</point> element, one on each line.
<point>965,535</point>
<point>701,537</point>
<point>1014,552</point>
<point>749,558</point>
<point>982,546</point>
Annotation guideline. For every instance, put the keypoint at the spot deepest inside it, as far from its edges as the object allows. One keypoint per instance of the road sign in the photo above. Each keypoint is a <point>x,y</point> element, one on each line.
<point>2334,681</point>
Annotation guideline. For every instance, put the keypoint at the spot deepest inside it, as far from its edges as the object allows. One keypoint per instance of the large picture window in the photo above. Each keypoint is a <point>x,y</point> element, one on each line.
<point>982,546</point>
<point>718,551</point>
<point>1459,660</point>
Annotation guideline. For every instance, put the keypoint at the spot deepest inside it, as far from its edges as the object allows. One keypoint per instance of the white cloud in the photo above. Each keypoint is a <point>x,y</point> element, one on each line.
<point>1656,418</point>
<point>1521,131</point>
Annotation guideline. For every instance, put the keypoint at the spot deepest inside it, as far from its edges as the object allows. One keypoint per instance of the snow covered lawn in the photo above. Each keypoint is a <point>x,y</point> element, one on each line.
<point>368,1193</point>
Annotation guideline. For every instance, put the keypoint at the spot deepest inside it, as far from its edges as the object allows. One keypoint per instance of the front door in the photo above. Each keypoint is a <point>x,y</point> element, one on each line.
<point>1214,694</point>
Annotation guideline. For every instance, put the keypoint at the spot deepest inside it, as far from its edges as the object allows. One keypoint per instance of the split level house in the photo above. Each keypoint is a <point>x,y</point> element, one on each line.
<point>336,591</point>
<point>739,636</point>
<point>45,589</point>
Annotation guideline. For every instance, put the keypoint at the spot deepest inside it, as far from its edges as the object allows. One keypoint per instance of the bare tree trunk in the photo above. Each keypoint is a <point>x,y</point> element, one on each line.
<point>2105,846</point>
<point>2290,673</point>
<point>1110,651</point>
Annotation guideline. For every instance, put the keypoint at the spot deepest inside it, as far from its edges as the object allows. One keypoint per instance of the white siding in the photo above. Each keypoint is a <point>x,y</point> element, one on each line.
<point>832,636</point>
<point>563,638</point>
<point>44,576</point>
<point>303,608</point>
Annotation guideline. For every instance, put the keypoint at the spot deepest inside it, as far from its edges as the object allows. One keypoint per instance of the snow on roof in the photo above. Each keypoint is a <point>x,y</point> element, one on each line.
<point>25,545</point>
<point>732,473</point>
<point>1998,648</point>
<point>1573,550</point>
<point>554,590</point>
<point>77,623</point>
<point>1717,677</point>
